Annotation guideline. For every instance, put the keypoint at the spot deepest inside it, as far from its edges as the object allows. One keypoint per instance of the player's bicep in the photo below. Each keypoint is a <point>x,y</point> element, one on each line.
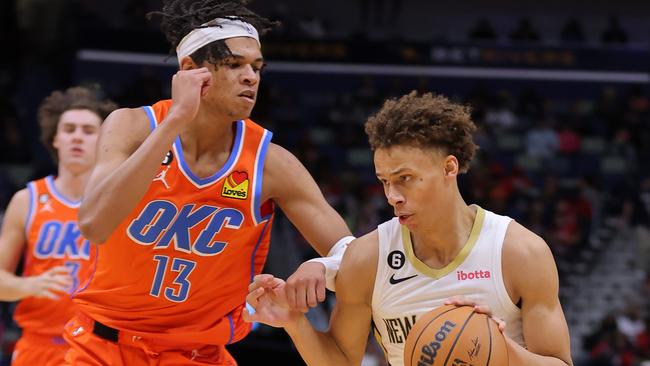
<point>544,325</point>
<point>351,320</point>
<point>350,326</point>
<point>12,234</point>
<point>545,330</point>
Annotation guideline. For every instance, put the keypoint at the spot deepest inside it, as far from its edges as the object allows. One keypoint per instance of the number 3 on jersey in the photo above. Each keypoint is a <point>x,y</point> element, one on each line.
<point>182,268</point>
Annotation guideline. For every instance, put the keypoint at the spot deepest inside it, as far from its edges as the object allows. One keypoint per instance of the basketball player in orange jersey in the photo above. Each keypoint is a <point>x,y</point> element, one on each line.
<point>40,225</point>
<point>181,202</point>
<point>436,250</point>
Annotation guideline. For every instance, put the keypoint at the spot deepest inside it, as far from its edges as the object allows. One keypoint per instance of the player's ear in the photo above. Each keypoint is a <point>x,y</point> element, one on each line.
<point>188,64</point>
<point>451,166</point>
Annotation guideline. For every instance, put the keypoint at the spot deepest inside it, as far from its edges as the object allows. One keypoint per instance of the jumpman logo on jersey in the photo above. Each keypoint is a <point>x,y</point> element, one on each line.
<point>47,207</point>
<point>161,177</point>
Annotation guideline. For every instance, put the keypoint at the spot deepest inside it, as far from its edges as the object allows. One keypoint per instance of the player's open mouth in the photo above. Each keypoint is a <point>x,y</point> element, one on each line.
<point>249,95</point>
<point>403,218</point>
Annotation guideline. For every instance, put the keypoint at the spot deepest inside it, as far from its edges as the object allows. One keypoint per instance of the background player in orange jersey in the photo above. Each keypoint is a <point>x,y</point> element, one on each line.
<point>41,226</point>
<point>182,201</point>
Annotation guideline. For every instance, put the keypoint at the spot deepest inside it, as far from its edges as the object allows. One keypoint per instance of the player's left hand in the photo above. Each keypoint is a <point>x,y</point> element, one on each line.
<point>306,287</point>
<point>266,296</point>
<point>478,307</point>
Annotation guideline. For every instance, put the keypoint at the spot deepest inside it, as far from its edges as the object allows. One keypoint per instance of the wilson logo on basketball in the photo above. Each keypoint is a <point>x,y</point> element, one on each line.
<point>236,186</point>
<point>476,275</point>
<point>430,351</point>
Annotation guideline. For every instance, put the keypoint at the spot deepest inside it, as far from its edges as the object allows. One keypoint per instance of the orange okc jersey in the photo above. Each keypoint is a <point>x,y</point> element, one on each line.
<point>178,266</point>
<point>53,239</point>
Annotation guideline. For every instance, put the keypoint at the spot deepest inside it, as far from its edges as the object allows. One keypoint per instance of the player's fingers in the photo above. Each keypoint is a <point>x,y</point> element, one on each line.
<point>253,297</point>
<point>58,270</point>
<point>57,287</point>
<point>301,296</point>
<point>501,323</point>
<point>483,309</point>
<point>265,280</point>
<point>205,86</point>
<point>61,278</point>
<point>248,317</point>
<point>320,290</point>
<point>312,296</point>
<point>457,300</point>
<point>275,282</point>
<point>258,281</point>
<point>262,277</point>
<point>49,295</point>
<point>290,291</point>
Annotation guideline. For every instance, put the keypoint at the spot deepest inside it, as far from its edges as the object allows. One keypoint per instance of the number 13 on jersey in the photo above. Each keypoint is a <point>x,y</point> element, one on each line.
<point>180,269</point>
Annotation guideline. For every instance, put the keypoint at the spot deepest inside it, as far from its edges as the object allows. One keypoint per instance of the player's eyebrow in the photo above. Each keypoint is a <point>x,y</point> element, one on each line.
<point>240,57</point>
<point>394,172</point>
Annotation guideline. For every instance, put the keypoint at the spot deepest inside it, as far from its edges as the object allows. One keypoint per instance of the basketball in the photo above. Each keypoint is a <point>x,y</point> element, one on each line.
<point>455,336</point>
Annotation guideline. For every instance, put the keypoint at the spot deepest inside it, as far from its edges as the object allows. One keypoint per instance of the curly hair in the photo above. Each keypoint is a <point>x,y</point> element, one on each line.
<point>180,17</point>
<point>57,103</point>
<point>427,120</point>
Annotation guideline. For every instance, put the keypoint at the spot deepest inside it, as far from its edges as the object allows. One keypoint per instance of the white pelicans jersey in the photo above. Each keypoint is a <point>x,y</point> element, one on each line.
<point>405,287</point>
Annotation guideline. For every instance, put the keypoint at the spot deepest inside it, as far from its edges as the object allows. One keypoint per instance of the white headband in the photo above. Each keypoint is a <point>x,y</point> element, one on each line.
<point>219,28</point>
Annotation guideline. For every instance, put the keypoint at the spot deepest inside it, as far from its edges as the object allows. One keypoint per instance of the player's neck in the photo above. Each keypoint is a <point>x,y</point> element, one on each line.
<point>438,244</point>
<point>71,182</point>
<point>210,133</point>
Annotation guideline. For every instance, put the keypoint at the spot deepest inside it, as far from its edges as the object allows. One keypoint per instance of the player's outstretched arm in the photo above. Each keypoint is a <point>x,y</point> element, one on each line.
<point>290,185</point>
<point>129,155</point>
<point>529,266</point>
<point>50,284</point>
<point>345,342</point>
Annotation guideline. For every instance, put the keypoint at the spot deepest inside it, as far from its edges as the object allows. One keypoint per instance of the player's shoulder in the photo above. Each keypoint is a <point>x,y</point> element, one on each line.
<point>21,197</point>
<point>18,205</point>
<point>278,154</point>
<point>525,253</point>
<point>361,250</point>
<point>281,164</point>
<point>522,242</point>
<point>126,116</point>
<point>127,124</point>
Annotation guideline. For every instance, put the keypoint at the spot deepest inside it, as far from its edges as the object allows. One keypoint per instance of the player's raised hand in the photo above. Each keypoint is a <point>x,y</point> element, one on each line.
<point>50,284</point>
<point>305,288</point>
<point>188,87</point>
<point>266,295</point>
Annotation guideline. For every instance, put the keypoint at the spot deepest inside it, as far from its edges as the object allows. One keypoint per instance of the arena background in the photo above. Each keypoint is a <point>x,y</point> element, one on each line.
<point>559,90</point>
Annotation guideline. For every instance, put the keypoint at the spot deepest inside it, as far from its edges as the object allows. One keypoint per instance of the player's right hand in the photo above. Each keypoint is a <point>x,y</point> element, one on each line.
<point>478,308</point>
<point>50,284</point>
<point>266,295</point>
<point>188,87</point>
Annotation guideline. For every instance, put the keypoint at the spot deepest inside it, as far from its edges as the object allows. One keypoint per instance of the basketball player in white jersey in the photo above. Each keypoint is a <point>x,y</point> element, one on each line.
<point>436,248</point>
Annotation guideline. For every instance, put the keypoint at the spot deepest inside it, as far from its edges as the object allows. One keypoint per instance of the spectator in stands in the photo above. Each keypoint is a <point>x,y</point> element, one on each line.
<point>482,30</point>
<point>500,115</point>
<point>524,32</point>
<point>542,141</point>
<point>630,322</point>
<point>605,344</point>
<point>569,139</point>
<point>642,343</point>
<point>572,31</point>
<point>614,33</point>
<point>566,233</point>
